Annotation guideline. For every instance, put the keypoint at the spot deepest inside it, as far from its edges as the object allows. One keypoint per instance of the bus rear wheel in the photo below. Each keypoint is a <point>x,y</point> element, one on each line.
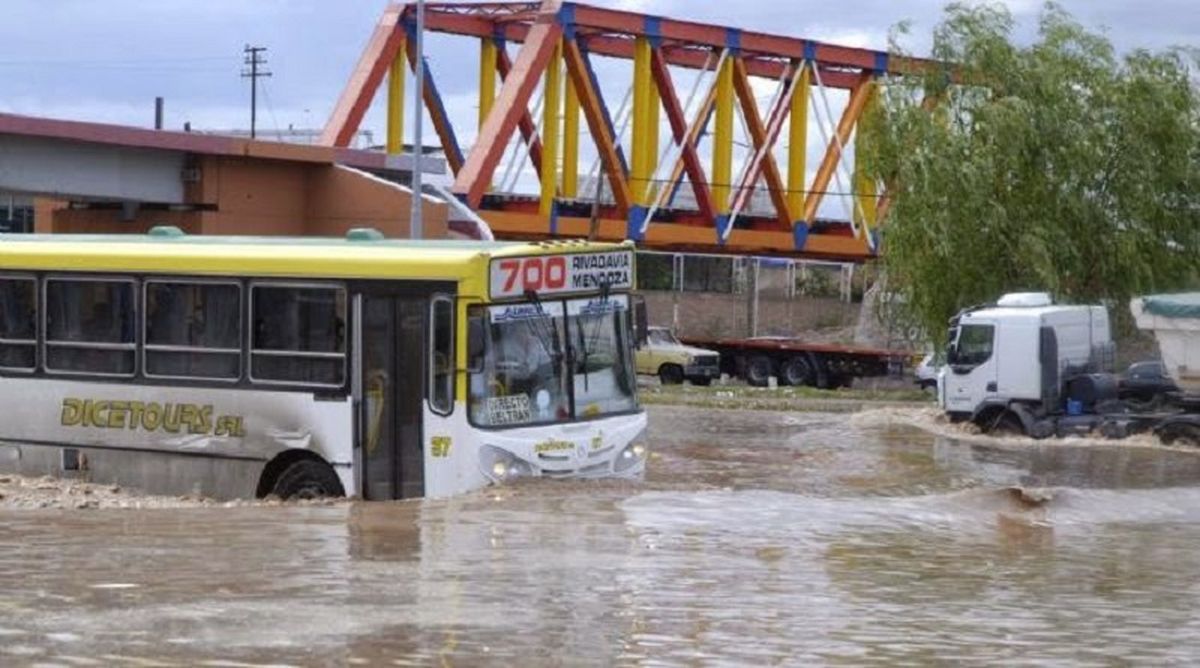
<point>307,479</point>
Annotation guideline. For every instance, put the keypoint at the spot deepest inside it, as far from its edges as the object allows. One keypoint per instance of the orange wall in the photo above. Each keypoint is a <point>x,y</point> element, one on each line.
<point>54,216</point>
<point>262,197</point>
<point>340,199</point>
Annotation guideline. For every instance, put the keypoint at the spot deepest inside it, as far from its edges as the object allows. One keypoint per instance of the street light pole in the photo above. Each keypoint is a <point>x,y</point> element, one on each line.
<point>416,227</point>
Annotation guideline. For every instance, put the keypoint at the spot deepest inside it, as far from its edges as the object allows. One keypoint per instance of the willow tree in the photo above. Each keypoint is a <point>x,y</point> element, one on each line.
<point>1056,165</point>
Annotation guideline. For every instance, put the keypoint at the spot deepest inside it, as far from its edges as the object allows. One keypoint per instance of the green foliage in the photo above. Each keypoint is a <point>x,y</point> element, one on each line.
<point>819,282</point>
<point>1057,166</point>
<point>654,272</point>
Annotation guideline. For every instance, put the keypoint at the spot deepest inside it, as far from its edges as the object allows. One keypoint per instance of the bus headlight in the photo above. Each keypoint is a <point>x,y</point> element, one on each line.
<point>501,466</point>
<point>633,455</point>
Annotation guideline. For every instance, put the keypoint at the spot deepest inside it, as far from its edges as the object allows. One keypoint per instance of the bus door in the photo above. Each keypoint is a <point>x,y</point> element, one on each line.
<point>391,389</point>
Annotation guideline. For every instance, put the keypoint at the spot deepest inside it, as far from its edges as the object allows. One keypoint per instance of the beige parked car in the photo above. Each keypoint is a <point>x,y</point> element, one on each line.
<point>664,356</point>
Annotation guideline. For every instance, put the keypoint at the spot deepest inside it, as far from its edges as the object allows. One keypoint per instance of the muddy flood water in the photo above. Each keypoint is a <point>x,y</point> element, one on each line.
<point>757,539</point>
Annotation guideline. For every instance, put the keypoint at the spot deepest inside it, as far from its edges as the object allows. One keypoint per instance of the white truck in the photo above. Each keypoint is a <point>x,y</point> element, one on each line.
<point>1026,365</point>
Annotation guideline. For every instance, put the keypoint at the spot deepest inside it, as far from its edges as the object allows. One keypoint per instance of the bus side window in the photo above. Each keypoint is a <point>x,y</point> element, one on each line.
<point>299,335</point>
<point>18,324</point>
<point>90,326</point>
<point>441,362</point>
<point>193,330</point>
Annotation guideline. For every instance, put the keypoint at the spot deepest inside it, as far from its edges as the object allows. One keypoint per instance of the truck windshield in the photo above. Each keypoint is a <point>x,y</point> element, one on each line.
<point>552,362</point>
<point>663,337</point>
<point>973,345</point>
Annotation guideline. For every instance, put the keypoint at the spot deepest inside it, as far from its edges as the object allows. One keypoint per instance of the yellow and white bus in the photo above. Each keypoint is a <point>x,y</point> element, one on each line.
<point>382,369</point>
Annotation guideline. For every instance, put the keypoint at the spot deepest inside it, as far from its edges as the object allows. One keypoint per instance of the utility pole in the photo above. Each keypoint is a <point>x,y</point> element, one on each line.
<point>254,59</point>
<point>416,228</point>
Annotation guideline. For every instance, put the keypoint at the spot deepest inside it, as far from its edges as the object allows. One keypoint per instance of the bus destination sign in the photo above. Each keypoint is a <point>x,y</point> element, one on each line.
<point>561,274</point>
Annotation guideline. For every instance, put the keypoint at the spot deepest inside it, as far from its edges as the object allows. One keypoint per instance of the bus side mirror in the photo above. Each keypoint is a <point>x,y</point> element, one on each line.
<point>475,344</point>
<point>641,321</point>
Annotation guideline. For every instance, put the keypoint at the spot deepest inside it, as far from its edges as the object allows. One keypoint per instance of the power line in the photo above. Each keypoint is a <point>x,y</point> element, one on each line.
<point>271,111</point>
<point>254,58</point>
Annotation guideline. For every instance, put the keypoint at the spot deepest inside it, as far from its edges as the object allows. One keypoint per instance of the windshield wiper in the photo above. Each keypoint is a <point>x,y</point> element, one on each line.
<point>588,343</point>
<point>544,334</point>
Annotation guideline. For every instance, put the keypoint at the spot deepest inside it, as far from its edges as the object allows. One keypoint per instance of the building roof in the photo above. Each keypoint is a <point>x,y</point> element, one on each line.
<point>206,144</point>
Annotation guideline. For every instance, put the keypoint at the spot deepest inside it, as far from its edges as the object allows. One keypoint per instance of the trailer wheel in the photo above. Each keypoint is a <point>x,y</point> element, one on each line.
<point>670,374</point>
<point>797,371</point>
<point>758,370</point>
<point>1180,434</point>
<point>1007,424</point>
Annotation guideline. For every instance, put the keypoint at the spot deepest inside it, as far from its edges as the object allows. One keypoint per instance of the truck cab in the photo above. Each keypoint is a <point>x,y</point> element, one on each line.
<point>1007,362</point>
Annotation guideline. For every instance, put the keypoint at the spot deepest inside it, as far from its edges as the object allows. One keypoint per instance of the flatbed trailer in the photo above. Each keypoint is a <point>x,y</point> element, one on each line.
<point>796,362</point>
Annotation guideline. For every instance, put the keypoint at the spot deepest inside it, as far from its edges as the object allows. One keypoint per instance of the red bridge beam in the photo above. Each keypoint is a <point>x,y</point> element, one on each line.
<point>368,74</point>
<point>511,105</point>
<point>616,47</point>
<point>491,19</point>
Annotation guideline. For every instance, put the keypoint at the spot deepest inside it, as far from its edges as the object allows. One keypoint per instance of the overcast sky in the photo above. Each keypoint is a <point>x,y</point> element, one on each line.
<point>107,60</point>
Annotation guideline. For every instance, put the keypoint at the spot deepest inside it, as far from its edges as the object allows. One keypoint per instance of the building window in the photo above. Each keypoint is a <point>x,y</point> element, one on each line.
<point>299,335</point>
<point>90,326</point>
<point>193,330</point>
<point>18,324</point>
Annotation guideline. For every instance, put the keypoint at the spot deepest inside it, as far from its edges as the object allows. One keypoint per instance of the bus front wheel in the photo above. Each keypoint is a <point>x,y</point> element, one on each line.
<point>307,479</point>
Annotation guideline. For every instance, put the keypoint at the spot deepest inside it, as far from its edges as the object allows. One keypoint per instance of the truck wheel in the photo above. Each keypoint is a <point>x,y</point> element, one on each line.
<point>1007,424</point>
<point>822,378</point>
<point>797,371</point>
<point>1180,434</point>
<point>670,374</point>
<point>758,370</point>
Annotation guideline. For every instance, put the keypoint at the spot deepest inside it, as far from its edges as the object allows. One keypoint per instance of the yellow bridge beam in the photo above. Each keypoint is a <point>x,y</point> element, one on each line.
<point>864,183</point>
<point>570,174</point>
<point>798,146</point>
<point>487,77</point>
<point>550,131</point>
<point>395,103</point>
<point>722,172</point>
<point>643,90</point>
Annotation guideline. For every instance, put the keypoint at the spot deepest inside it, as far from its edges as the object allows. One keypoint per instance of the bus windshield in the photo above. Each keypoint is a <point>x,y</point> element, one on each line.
<point>552,362</point>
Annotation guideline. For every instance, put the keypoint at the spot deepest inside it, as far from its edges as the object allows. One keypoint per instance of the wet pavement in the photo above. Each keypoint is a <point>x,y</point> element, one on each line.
<point>758,538</point>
